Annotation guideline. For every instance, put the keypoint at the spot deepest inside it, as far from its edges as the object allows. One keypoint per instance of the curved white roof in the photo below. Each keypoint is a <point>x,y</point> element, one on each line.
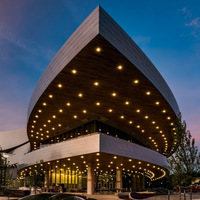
<point>13,138</point>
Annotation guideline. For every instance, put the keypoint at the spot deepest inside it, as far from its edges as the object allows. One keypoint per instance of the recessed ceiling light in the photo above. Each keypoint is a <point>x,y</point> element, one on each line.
<point>54,116</point>
<point>60,110</point>
<point>146,117</point>
<point>137,110</point>
<point>136,81</point>
<point>98,49</point>
<point>148,93</point>
<point>84,111</point>
<point>49,121</point>
<point>75,116</point>
<point>153,122</point>
<point>96,83</point>
<point>164,111</point>
<point>59,85</point>
<point>127,103</point>
<point>122,116</point>
<point>98,103</point>
<point>44,104</point>
<point>110,110</point>
<point>50,96</point>
<point>130,122</point>
<point>68,104</point>
<point>74,71</point>
<point>39,111</point>
<point>157,103</point>
<point>80,94</point>
<point>120,67</point>
<point>114,94</point>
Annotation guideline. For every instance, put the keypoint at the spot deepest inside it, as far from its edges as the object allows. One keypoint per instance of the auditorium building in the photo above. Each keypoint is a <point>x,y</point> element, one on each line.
<point>101,115</point>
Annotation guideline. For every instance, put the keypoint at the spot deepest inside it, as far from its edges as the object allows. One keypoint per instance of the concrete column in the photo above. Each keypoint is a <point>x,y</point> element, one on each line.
<point>119,179</point>
<point>90,179</point>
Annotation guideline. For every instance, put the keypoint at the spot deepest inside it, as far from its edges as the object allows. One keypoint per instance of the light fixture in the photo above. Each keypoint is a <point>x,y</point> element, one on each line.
<point>120,67</point>
<point>157,102</point>
<point>39,111</point>
<point>54,116</point>
<point>98,103</point>
<point>75,116</point>
<point>59,125</point>
<point>114,94</point>
<point>153,122</point>
<point>80,94</point>
<point>59,85</point>
<point>138,126</point>
<point>136,81</point>
<point>36,116</point>
<point>137,110</point>
<point>130,122</point>
<point>110,110</point>
<point>98,49</point>
<point>60,110</point>
<point>148,93</point>
<point>146,117</point>
<point>84,111</point>
<point>44,104</point>
<point>49,121</point>
<point>68,104</point>
<point>164,111</point>
<point>122,117</point>
<point>50,96</point>
<point>74,71</point>
<point>96,83</point>
<point>127,103</point>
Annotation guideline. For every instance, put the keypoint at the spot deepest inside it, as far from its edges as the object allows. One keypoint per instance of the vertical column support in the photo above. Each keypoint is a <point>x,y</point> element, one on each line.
<point>90,179</point>
<point>119,179</point>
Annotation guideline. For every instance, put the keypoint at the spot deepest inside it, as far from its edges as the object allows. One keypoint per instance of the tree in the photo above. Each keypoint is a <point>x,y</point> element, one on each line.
<point>184,164</point>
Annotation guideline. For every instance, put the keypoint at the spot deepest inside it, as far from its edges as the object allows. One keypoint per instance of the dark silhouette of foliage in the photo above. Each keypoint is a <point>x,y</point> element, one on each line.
<point>184,164</point>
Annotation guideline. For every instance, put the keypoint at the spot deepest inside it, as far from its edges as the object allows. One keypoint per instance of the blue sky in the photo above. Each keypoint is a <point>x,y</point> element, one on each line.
<point>31,32</point>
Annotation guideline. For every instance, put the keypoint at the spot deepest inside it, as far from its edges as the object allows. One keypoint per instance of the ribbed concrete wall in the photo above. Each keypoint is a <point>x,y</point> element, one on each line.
<point>99,22</point>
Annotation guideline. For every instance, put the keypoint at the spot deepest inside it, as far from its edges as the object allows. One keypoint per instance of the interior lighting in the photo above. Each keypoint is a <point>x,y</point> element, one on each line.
<point>138,126</point>
<point>44,104</point>
<point>168,118</point>
<point>146,117</point>
<point>97,154</point>
<point>84,111</point>
<point>50,96</point>
<point>115,157</point>
<point>96,83</point>
<point>39,111</point>
<point>164,111</point>
<point>172,124</point>
<point>148,93</point>
<point>75,116</point>
<point>153,122</point>
<point>98,103</point>
<point>68,104</point>
<point>54,116</point>
<point>136,81</point>
<point>59,125</point>
<point>120,67</point>
<point>33,126</point>
<point>157,102</point>
<point>74,71</point>
<point>160,131</point>
<point>49,121</point>
<point>122,116</point>
<point>137,110</point>
<point>130,122</point>
<point>59,85</point>
<point>157,127</point>
<point>34,121</point>
<point>98,49</point>
<point>60,110</point>
<point>110,110</point>
<point>36,116</point>
<point>44,125</point>
<point>53,128</point>
<point>142,131</point>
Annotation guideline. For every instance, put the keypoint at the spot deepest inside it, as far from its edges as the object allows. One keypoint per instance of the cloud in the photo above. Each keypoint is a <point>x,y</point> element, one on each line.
<point>186,12</point>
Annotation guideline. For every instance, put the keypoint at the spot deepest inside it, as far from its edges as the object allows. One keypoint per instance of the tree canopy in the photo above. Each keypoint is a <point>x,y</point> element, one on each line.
<point>184,164</point>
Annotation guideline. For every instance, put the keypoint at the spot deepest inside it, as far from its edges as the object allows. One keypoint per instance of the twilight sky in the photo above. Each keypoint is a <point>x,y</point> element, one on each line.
<point>32,31</point>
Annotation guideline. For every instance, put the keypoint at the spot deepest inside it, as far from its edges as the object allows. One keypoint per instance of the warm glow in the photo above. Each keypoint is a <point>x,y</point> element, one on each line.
<point>54,116</point>
<point>114,94</point>
<point>75,116</point>
<point>44,104</point>
<point>49,121</point>
<point>138,126</point>
<point>168,118</point>
<point>136,81</point>
<point>130,122</point>
<point>68,104</point>
<point>146,117</point>
<point>50,96</point>
<point>157,102</point>
<point>59,125</point>
<point>153,122</point>
<point>164,111</point>
<point>36,116</point>
<point>80,94</point>
<point>148,93</point>
<point>120,67</point>
<point>60,110</point>
<point>127,102</point>
<point>39,111</point>
<point>84,111</point>
<point>96,83</point>
<point>122,117</point>
<point>74,71</point>
<point>110,110</point>
<point>98,103</point>
<point>98,49</point>
<point>138,110</point>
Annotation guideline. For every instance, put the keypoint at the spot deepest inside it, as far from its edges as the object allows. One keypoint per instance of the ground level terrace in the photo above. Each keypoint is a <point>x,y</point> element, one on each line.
<point>94,161</point>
